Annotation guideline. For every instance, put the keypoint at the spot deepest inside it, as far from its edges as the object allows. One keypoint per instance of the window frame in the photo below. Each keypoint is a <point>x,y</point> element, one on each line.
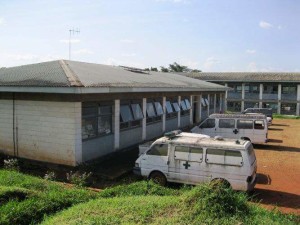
<point>96,118</point>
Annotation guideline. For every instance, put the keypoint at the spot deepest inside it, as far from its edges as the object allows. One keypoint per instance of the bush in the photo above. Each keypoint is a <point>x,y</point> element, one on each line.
<point>78,178</point>
<point>11,164</point>
<point>215,202</point>
<point>50,175</point>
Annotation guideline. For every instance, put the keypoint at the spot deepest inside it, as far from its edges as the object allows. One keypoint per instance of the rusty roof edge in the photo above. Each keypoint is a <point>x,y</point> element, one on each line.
<point>71,76</point>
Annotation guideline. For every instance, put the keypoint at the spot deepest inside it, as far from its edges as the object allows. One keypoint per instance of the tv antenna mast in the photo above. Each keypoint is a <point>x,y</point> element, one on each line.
<point>72,32</point>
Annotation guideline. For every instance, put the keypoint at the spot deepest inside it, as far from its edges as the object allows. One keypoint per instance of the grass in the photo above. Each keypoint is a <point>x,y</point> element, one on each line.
<point>279,116</point>
<point>26,200</point>
<point>199,205</point>
<point>29,200</point>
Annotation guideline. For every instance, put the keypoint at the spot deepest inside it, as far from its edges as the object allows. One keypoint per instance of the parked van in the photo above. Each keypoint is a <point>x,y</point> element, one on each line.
<point>237,126</point>
<point>193,159</point>
<point>265,111</point>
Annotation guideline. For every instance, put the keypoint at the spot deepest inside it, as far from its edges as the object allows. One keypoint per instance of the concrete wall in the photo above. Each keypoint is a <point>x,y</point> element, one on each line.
<point>97,147</point>
<point>171,124</point>
<point>185,121</point>
<point>154,130</point>
<point>44,131</point>
<point>130,137</point>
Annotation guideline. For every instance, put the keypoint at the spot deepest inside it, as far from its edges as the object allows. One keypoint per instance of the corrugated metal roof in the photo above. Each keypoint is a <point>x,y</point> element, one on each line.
<point>47,74</point>
<point>64,73</point>
<point>97,75</point>
<point>247,76</point>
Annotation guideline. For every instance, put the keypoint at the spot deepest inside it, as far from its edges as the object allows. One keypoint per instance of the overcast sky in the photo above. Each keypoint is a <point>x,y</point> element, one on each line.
<point>210,35</point>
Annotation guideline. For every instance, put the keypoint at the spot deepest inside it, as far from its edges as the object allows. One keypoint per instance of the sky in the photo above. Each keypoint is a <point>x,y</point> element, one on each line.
<point>209,35</point>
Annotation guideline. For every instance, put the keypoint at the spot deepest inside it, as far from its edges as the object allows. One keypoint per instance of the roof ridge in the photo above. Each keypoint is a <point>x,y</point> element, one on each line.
<point>71,76</point>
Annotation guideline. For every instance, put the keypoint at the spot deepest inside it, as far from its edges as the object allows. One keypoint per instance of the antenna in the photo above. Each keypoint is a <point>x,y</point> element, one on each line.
<point>72,32</point>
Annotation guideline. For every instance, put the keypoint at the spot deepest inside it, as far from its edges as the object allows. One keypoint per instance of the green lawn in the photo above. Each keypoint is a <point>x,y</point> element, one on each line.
<point>29,200</point>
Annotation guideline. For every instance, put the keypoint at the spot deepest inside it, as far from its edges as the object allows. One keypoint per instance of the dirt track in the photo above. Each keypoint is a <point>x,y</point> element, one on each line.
<point>279,167</point>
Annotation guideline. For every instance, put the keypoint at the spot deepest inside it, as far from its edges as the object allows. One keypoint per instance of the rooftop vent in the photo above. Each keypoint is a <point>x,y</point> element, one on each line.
<point>134,70</point>
<point>172,134</point>
<point>219,138</point>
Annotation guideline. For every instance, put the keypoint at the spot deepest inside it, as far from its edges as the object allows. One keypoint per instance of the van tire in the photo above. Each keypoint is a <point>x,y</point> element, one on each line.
<point>220,182</point>
<point>158,178</point>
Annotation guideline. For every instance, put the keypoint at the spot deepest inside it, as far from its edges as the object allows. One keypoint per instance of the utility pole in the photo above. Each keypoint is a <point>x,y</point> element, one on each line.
<point>72,32</point>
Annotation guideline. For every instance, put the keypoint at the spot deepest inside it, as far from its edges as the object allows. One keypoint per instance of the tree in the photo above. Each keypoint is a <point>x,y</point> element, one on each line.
<point>175,67</point>
<point>154,69</point>
<point>164,69</point>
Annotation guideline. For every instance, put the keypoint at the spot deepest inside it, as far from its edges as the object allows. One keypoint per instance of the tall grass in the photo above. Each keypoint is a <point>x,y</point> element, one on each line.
<point>202,204</point>
<point>27,199</point>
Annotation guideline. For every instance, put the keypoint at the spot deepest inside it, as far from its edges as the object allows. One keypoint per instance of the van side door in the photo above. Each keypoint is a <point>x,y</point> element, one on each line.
<point>156,158</point>
<point>179,164</point>
<point>226,128</point>
<point>244,129</point>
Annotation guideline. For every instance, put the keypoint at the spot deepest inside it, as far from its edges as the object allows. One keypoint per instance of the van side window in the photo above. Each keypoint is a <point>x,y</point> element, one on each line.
<point>208,123</point>
<point>244,124</point>
<point>226,123</point>
<point>219,156</point>
<point>259,125</point>
<point>233,158</point>
<point>181,153</point>
<point>196,154</point>
<point>216,156</point>
<point>159,149</point>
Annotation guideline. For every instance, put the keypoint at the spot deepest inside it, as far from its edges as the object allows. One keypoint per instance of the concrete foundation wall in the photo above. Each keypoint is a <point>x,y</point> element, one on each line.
<point>185,121</point>
<point>154,130</point>
<point>97,147</point>
<point>130,137</point>
<point>171,124</point>
<point>44,131</point>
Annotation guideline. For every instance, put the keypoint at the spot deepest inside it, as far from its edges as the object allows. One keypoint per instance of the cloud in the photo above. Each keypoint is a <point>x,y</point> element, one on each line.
<point>252,67</point>
<point>83,51</point>
<point>250,51</point>
<point>279,27</point>
<point>129,54</point>
<point>128,41</point>
<point>2,21</point>
<point>115,62</point>
<point>265,25</point>
<point>72,41</point>
<point>210,63</point>
<point>21,57</point>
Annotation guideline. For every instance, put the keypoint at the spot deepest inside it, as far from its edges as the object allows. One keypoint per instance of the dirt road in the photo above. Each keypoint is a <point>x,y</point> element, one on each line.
<point>279,167</point>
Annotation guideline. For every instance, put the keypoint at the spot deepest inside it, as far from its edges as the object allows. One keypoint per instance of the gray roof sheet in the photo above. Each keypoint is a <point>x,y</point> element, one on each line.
<point>65,73</point>
<point>247,76</point>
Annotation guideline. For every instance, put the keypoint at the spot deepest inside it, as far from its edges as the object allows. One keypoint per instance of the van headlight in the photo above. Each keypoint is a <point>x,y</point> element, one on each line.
<point>137,165</point>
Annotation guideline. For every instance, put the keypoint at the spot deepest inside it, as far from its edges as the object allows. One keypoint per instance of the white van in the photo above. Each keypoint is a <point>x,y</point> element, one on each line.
<point>238,126</point>
<point>193,159</point>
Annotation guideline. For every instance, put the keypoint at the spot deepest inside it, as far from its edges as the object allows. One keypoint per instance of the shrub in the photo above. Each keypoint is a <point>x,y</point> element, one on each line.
<point>11,164</point>
<point>50,175</point>
<point>77,178</point>
<point>210,202</point>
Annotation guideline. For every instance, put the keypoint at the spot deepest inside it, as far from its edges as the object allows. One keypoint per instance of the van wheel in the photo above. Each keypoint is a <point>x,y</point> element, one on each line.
<point>220,183</point>
<point>158,178</point>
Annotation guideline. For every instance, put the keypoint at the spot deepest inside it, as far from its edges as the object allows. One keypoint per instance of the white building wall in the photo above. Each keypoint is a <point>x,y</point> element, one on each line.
<point>44,131</point>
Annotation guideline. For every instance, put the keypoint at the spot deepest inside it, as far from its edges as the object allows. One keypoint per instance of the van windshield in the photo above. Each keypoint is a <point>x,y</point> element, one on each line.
<point>251,154</point>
